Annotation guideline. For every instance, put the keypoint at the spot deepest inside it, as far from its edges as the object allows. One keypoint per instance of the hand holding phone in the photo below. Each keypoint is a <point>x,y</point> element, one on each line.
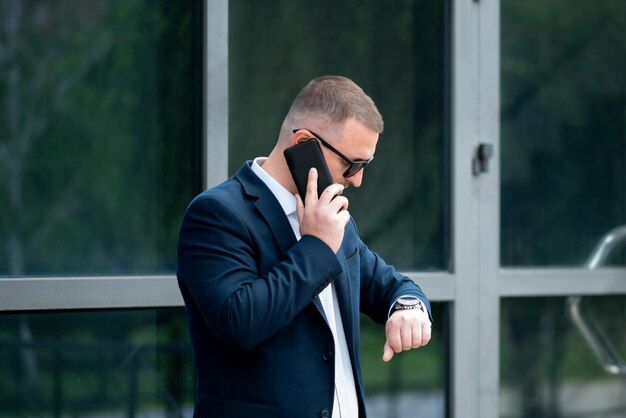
<point>300,159</point>
<point>323,215</point>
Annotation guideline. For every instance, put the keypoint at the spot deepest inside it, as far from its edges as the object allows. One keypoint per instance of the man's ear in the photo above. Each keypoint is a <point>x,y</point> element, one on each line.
<point>300,136</point>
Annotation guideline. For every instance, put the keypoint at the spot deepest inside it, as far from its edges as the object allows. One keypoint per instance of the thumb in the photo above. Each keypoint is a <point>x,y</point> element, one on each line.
<point>387,352</point>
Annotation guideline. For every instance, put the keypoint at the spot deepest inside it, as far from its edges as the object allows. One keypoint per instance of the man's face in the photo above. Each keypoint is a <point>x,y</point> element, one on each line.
<point>356,142</point>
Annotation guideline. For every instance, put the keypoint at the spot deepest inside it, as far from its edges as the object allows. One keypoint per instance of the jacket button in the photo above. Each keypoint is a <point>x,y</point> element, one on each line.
<point>325,413</point>
<point>328,355</point>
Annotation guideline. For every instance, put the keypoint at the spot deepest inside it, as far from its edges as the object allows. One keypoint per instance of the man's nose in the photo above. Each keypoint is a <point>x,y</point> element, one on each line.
<point>356,179</point>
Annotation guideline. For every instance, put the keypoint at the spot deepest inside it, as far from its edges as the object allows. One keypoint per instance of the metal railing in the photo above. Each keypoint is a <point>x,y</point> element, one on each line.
<point>601,346</point>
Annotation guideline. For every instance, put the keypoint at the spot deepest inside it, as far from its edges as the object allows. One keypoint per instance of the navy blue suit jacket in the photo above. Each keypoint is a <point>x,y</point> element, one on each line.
<point>261,344</point>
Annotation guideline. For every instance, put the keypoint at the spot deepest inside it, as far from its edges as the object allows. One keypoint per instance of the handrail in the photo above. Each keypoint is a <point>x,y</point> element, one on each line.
<point>605,246</point>
<point>598,342</point>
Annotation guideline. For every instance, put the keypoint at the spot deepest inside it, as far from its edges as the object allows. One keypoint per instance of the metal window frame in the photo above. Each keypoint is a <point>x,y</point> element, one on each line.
<point>216,93</point>
<point>475,309</point>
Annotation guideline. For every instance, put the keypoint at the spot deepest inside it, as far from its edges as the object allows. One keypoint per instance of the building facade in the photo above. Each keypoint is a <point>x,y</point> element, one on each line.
<point>499,185</point>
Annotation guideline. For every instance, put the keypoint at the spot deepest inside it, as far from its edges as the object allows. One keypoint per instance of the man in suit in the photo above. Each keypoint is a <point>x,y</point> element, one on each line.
<point>274,282</point>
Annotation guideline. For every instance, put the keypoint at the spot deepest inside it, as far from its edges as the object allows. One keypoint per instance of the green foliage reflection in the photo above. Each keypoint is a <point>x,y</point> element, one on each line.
<point>563,140</point>
<point>97,152</point>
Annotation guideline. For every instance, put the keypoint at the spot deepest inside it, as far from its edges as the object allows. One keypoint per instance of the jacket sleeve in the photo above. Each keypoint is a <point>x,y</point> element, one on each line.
<point>217,265</point>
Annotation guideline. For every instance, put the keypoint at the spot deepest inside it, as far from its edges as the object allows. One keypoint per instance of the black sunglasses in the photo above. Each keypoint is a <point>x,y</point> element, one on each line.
<point>355,166</point>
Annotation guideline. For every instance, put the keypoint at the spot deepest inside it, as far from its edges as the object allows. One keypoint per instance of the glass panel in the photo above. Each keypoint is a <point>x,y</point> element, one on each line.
<point>549,370</point>
<point>99,116</point>
<point>107,363</point>
<point>413,383</point>
<point>563,130</point>
<point>397,52</point>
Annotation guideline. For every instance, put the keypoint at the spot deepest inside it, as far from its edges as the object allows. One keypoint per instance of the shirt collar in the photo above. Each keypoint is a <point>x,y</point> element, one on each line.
<point>286,200</point>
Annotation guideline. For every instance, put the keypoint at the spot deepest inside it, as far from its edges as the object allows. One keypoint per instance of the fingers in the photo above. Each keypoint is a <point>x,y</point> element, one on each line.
<point>387,352</point>
<point>328,195</point>
<point>299,208</point>
<point>331,192</point>
<point>326,217</point>
<point>410,337</point>
<point>426,332</point>
<point>339,203</point>
<point>417,336</point>
<point>427,335</point>
<point>311,188</point>
<point>406,330</point>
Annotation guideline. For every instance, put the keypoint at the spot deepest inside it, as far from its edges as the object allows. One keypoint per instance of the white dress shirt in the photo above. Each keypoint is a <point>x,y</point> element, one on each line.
<point>345,403</point>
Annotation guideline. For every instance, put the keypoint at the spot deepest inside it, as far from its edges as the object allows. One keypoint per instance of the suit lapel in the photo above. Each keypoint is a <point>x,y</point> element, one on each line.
<point>268,206</point>
<point>277,220</point>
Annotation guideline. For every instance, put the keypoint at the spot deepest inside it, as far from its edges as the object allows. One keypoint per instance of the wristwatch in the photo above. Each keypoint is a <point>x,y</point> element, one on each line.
<point>407,302</point>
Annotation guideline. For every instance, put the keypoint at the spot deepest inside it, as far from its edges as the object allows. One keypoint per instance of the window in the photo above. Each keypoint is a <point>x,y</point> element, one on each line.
<point>99,147</point>
<point>131,362</point>
<point>563,144</point>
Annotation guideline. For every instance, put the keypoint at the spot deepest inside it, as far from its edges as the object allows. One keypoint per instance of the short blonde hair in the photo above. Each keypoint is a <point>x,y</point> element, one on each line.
<point>336,98</point>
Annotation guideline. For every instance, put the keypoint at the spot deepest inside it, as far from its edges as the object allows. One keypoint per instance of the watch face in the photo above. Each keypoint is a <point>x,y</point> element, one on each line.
<point>406,301</point>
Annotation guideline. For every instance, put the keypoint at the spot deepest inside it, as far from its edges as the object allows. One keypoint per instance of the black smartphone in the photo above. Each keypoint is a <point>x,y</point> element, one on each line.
<point>301,158</point>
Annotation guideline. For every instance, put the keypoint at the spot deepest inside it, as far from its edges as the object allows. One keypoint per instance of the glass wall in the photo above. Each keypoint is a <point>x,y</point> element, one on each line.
<point>563,127</point>
<point>99,146</point>
<point>96,363</point>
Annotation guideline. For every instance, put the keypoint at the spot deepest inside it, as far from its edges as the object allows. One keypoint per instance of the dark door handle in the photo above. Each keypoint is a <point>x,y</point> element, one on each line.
<point>480,163</point>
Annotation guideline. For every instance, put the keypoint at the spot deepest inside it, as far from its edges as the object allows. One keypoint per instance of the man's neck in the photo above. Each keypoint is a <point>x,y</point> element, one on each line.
<point>276,167</point>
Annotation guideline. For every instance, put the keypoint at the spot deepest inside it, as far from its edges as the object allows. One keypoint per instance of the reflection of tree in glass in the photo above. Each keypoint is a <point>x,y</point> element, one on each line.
<point>563,145</point>
<point>98,101</point>
<point>39,70</point>
<point>36,80</point>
